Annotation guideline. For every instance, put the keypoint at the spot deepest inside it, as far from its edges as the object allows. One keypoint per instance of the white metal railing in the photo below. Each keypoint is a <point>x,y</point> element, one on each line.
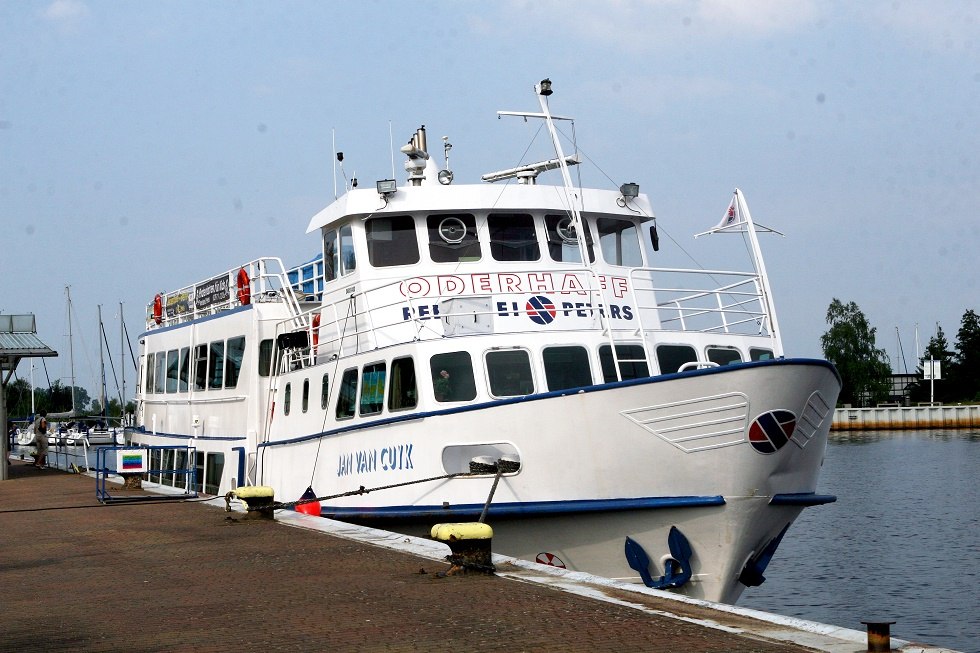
<point>265,280</point>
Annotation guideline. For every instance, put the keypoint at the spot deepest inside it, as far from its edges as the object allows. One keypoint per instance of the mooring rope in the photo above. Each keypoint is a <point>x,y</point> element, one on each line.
<point>362,490</point>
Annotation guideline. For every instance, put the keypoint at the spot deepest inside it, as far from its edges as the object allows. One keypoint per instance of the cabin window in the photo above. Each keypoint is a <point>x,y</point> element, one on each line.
<point>758,354</point>
<point>209,469</point>
<point>452,376</point>
<point>287,398</point>
<point>331,256</point>
<point>373,389</point>
<point>402,393</point>
<point>185,355</point>
<point>148,380</point>
<point>509,373</point>
<point>391,240</point>
<point>724,355</point>
<point>265,357</point>
<point>347,397</point>
<point>325,391</point>
<point>172,370</point>
<point>632,362</point>
<point>453,238</point>
<point>670,358</point>
<point>200,367</point>
<point>216,365</point>
<point>306,395</point>
<point>563,240</point>
<point>512,237</point>
<point>619,242</point>
<point>233,360</point>
<point>348,262</point>
<point>566,367</point>
<point>160,374</point>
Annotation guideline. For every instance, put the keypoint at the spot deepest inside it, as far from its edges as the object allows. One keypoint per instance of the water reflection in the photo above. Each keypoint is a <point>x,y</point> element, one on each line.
<point>902,541</point>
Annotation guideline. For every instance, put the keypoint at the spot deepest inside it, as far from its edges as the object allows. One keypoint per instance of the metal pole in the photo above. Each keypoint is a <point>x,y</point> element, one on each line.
<point>6,432</point>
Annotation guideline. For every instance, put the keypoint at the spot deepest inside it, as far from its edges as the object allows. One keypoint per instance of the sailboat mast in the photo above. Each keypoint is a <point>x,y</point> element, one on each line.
<point>122,358</point>
<point>71,351</point>
<point>102,396</point>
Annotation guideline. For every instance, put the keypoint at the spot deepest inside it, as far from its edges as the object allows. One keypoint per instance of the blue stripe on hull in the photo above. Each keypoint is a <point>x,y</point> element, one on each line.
<point>524,509</point>
<point>801,499</point>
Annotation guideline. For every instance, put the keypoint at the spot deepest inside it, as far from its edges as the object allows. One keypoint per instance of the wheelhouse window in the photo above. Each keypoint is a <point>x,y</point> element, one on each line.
<point>348,262</point>
<point>200,367</point>
<point>453,238</point>
<point>724,355</point>
<point>452,376</point>
<point>233,360</point>
<point>160,374</point>
<point>563,239</point>
<point>632,362</point>
<point>512,237</point>
<point>759,354</point>
<point>347,397</point>
<point>148,377</point>
<point>172,370</point>
<point>216,365</point>
<point>566,367</point>
<point>372,389</point>
<point>671,358</point>
<point>265,357</point>
<point>331,256</point>
<point>402,393</point>
<point>185,355</point>
<point>391,241</point>
<point>509,373</point>
<point>619,242</point>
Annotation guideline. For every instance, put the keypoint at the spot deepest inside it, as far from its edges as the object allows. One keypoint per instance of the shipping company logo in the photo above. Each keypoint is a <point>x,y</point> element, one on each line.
<point>541,310</point>
<point>770,431</point>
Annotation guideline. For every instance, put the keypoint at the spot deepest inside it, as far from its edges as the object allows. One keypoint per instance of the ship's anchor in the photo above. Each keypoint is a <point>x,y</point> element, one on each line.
<point>751,575</point>
<point>677,569</point>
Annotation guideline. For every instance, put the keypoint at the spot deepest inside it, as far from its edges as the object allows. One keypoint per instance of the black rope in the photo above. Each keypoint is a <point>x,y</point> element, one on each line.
<point>362,490</point>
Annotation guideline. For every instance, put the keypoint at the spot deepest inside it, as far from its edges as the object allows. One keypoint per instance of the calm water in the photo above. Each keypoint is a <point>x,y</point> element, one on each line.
<point>902,542</point>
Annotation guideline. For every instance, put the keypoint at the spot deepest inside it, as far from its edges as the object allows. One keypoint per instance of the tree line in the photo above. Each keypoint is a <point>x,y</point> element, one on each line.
<point>850,345</point>
<point>56,399</point>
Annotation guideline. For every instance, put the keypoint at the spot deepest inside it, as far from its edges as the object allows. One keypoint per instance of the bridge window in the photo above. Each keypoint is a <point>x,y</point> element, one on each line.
<point>185,355</point>
<point>391,241</point>
<point>758,354</point>
<point>338,253</point>
<point>347,260</point>
<point>347,397</point>
<point>724,355</point>
<point>563,239</point>
<point>373,389</point>
<point>200,367</point>
<point>452,376</point>
<point>453,238</point>
<point>670,358</point>
<point>402,392</point>
<point>619,242</point>
<point>172,370</point>
<point>566,367</point>
<point>632,362</point>
<point>160,372</point>
<point>331,256</point>
<point>512,237</point>
<point>148,381</point>
<point>509,373</point>
<point>233,360</point>
<point>216,365</point>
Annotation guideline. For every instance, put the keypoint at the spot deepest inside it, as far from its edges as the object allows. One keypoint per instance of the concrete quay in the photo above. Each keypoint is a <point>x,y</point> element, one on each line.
<point>79,576</point>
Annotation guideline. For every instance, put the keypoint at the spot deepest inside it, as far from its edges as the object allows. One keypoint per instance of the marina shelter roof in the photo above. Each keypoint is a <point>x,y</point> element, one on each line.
<point>18,339</point>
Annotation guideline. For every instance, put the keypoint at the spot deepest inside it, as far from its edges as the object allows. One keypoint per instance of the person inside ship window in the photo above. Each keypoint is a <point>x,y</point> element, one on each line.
<point>442,386</point>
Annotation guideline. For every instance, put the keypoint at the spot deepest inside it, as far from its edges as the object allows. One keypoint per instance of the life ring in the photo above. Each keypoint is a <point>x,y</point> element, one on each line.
<point>158,309</point>
<point>244,287</point>
<point>316,332</point>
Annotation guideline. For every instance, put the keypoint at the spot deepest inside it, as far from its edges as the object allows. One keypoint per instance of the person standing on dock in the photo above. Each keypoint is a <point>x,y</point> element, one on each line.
<point>41,441</point>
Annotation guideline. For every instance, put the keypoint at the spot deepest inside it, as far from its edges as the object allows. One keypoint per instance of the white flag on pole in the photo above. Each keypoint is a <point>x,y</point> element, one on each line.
<point>732,215</point>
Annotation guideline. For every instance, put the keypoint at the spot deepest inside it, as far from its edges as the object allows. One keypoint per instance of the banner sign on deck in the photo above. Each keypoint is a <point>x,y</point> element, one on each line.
<point>131,461</point>
<point>211,292</point>
<point>178,304</point>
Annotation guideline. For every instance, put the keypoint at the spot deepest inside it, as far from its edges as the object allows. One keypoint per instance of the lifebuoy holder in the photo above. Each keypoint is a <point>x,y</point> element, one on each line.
<point>244,287</point>
<point>158,309</point>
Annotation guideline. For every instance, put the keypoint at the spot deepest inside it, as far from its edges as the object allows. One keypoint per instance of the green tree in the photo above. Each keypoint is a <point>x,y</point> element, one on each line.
<point>964,374</point>
<point>18,398</point>
<point>938,389</point>
<point>850,345</point>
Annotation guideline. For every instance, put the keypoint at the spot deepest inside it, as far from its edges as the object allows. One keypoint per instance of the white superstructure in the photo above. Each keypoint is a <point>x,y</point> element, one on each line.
<point>649,424</point>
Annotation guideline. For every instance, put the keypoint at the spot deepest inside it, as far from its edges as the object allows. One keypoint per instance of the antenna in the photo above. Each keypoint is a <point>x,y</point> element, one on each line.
<point>333,146</point>
<point>391,149</point>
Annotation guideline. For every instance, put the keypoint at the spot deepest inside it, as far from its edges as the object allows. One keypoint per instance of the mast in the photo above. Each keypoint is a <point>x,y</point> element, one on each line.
<point>122,360</point>
<point>760,268</point>
<point>102,397</point>
<point>71,351</point>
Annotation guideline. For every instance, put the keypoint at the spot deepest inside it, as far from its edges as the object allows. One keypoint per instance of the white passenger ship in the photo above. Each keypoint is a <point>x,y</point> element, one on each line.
<point>644,421</point>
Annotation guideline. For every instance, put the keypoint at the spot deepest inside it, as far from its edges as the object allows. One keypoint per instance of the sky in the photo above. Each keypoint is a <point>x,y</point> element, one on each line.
<point>145,146</point>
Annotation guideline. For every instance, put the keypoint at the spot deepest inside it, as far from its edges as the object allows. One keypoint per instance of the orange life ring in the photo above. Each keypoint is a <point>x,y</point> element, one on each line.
<point>244,287</point>
<point>316,332</point>
<point>158,309</point>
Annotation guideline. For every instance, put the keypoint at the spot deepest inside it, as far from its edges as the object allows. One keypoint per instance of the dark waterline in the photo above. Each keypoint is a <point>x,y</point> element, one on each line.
<point>901,543</point>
